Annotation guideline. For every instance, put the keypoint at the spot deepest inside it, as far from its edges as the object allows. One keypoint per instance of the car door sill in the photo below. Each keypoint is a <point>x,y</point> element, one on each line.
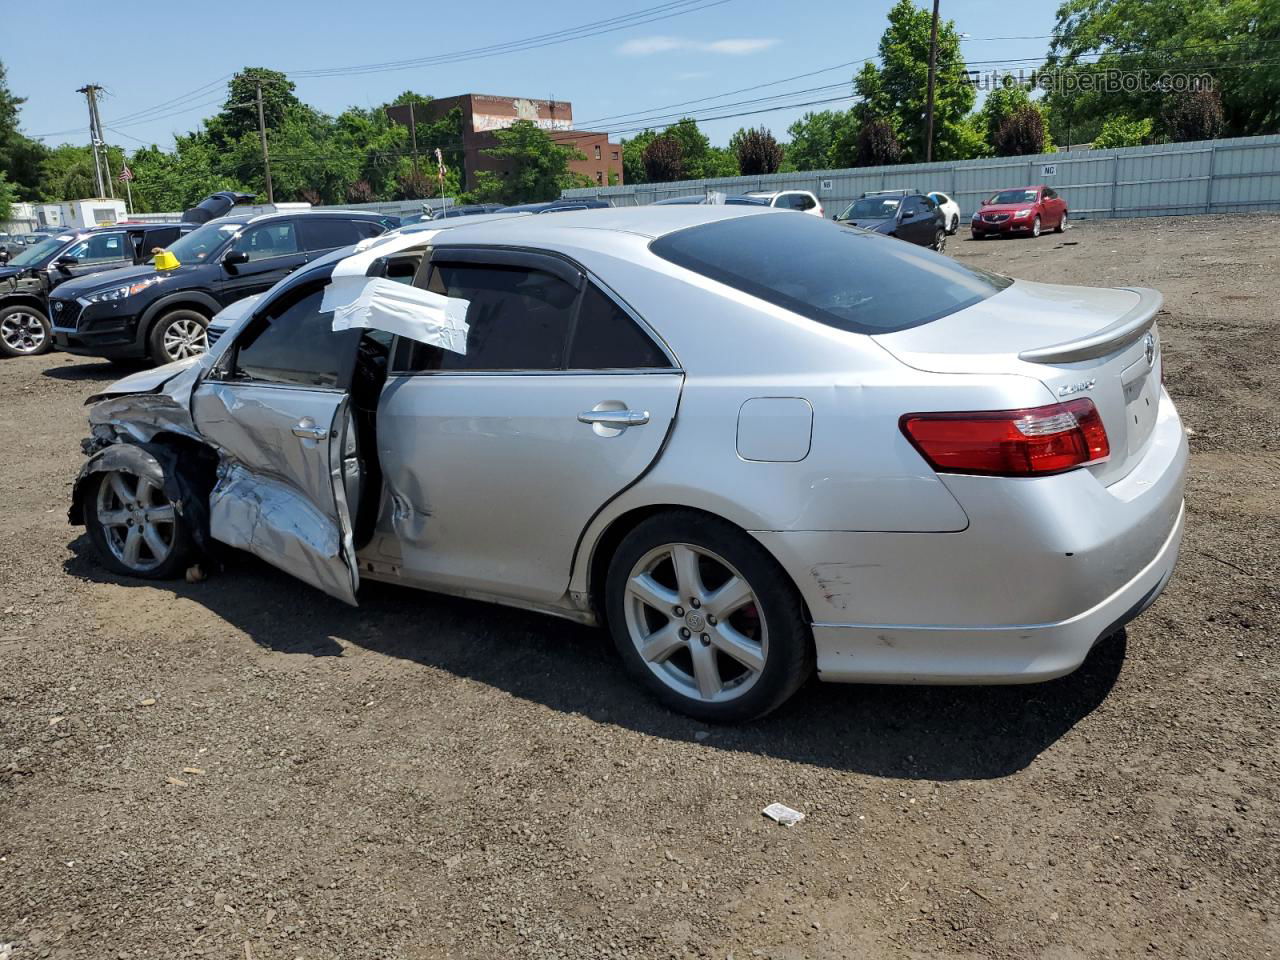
<point>386,573</point>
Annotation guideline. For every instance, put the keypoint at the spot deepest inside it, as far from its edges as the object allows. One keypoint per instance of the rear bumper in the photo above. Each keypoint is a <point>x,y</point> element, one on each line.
<point>1046,567</point>
<point>1017,654</point>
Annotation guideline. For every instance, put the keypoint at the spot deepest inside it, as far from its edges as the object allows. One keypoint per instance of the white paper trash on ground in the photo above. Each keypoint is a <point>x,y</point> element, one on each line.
<point>783,814</point>
<point>376,303</point>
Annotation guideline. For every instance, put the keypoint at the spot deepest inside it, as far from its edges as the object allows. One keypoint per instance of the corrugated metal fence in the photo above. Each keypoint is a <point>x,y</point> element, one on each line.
<point>1210,176</point>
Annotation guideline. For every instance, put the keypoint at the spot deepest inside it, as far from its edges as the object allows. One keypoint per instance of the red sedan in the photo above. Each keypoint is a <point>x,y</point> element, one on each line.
<point>1026,210</point>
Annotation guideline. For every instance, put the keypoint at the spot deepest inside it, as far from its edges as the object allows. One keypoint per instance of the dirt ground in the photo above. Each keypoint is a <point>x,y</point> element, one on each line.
<point>244,768</point>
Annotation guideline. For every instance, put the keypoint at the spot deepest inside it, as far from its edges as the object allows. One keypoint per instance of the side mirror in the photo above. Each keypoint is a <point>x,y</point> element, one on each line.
<point>66,263</point>
<point>234,257</point>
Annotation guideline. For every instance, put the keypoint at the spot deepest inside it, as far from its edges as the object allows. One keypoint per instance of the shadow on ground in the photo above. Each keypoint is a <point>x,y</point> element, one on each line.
<point>61,367</point>
<point>908,732</point>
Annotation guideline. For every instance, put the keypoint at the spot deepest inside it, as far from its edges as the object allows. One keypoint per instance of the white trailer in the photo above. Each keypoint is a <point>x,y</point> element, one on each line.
<point>95,212</point>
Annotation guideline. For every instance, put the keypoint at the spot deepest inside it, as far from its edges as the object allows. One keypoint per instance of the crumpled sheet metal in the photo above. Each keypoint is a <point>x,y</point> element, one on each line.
<point>269,519</point>
<point>376,303</point>
<point>148,402</point>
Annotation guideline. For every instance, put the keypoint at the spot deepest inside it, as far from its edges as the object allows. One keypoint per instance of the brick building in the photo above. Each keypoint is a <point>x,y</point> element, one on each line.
<point>483,114</point>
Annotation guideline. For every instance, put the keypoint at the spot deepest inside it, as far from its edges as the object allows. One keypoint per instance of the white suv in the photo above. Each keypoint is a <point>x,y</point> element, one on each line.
<point>801,200</point>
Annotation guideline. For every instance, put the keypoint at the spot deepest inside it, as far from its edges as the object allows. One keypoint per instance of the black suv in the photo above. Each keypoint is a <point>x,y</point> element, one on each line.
<point>161,315</point>
<point>906,214</point>
<point>33,271</point>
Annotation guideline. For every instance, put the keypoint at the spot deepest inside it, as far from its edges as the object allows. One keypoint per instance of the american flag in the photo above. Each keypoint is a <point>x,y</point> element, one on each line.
<point>125,174</point>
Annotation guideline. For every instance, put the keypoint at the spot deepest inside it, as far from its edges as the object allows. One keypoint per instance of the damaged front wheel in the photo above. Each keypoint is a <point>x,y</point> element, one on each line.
<point>135,529</point>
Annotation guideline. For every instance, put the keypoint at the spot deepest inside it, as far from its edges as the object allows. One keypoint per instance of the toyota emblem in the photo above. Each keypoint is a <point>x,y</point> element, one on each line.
<point>1150,346</point>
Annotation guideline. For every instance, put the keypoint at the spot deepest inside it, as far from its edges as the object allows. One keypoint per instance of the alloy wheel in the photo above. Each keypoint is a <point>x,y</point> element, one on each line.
<point>184,338</point>
<point>1035,227</point>
<point>696,622</point>
<point>137,520</point>
<point>23,332</point>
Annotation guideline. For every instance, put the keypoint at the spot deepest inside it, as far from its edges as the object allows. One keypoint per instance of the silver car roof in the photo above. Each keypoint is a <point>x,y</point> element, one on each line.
<point>649,222</point>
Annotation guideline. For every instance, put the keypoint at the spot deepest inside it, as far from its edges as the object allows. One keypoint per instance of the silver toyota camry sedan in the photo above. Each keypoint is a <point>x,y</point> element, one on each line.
<point>750,444</point>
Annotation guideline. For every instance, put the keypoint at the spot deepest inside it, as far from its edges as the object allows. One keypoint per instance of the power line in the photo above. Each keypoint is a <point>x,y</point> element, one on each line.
<point>596,28</point>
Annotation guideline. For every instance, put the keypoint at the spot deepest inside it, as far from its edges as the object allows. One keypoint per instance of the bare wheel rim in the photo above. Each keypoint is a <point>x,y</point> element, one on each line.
<point>138,522</point>
<point>22,332</point>
<point>184,338</point>
<point>696,622</point>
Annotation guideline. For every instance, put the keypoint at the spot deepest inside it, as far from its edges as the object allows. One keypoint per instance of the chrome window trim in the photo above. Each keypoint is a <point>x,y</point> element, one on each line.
<point>589,276</point>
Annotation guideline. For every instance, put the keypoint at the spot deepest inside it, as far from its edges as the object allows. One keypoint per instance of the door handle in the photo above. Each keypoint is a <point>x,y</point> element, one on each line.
<point>615,418</point>
<point>306,429</point>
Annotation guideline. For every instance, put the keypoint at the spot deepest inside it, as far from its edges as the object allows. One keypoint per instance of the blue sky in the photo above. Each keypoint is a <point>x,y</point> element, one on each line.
<point>146,54</point>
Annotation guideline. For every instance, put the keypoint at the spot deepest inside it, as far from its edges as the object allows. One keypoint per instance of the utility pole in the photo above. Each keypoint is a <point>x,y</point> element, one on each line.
<point>266,157</point>
<point>413,136</point>
<point>90,90</point>
<point>933,73</point>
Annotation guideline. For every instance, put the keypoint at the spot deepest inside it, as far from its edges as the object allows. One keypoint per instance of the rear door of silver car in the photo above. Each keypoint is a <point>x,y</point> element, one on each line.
<point>496,460</point>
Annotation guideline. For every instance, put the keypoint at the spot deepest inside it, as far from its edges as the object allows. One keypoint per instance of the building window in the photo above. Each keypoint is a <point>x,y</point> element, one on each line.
<point>600,177</point>
<point>615,154</point>
<point>597,151</point>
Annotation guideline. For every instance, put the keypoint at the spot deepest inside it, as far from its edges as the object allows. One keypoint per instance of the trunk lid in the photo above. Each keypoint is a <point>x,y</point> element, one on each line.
<point>1078,341</point>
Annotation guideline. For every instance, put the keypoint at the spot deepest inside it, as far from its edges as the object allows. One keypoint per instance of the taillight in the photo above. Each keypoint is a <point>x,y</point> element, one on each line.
<point>1010,443</point>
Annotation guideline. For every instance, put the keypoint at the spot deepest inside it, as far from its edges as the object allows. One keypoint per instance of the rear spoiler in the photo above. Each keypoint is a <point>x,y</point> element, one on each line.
<point>1116,336</point>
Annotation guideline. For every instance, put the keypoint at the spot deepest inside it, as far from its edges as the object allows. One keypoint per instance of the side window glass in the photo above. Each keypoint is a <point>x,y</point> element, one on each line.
<point>268,240</point>
<point>101,248</point>
<point>606,338</point>
<point>322,233</point>
<point>911,207</point>
<point>518,319</point>
<point>294,343</point>
<point>806,202</point>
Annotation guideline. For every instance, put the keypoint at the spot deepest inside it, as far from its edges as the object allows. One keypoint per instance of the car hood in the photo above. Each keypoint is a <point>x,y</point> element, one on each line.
<point>93,282</point>
<point>1006,207</point>
<point>881,225</point>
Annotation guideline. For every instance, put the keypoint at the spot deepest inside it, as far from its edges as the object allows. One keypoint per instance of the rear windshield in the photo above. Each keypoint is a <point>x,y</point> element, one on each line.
<point>845,278</point>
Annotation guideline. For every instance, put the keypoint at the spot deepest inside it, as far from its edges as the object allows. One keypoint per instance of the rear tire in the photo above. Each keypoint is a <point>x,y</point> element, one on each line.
<point>939,240</point>
<point>955,225</point>
<point>1062,224</point>
<point>177,335</point>
<point>669,581</point>
<point>24,332</point>
<point>134,528</point>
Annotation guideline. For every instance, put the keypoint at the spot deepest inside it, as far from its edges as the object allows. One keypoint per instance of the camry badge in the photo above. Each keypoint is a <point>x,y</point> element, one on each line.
<point>1150,346</point>
<point>1068,389</point>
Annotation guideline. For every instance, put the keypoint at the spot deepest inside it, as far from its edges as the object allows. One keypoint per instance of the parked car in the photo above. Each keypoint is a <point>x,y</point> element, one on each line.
<point>950,210</point>
<point>801,200</point>
<point>1025,210</point>
<point>702,198</point>
<point>557,206</point>
<point>161,315</point>
<point>30,274</point>
<point>908,216</point>
<point>803,475</point>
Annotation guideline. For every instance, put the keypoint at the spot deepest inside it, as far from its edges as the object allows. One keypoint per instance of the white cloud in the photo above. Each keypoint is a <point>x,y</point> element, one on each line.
<point>733,46</point>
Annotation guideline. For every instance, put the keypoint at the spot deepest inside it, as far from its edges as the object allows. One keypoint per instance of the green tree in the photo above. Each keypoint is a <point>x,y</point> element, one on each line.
<point>239,113</point>
<point>818,139</point>
<point>633,156</point>
<point>539,167</point>
<point>1001,104</point>
<point>1123,131</point>
<point>1230,42</point>
<point>897,90</point>
<point>8,193</point>
<point>20,156</point>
